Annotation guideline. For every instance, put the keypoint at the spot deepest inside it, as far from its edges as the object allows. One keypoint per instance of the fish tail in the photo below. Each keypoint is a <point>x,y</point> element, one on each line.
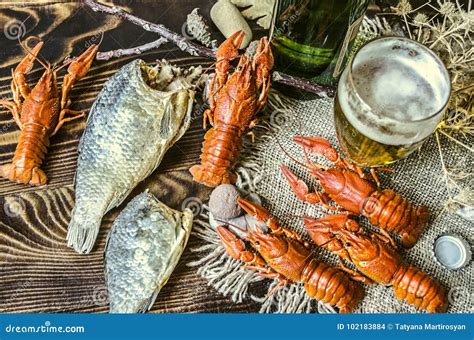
<point>83,230</point>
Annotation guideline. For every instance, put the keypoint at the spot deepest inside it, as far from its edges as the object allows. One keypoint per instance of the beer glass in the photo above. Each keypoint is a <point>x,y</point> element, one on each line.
<point>390,98</point>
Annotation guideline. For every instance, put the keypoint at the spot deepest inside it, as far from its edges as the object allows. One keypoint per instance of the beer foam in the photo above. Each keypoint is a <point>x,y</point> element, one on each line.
<point>404,85</point>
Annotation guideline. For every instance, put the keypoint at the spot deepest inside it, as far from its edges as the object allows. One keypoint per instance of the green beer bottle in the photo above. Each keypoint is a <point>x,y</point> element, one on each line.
<point>312,38</point>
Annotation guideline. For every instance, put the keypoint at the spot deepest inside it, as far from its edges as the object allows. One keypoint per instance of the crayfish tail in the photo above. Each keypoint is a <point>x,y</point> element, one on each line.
<point>38,177</point>
<point>420,217</point>
<point>420,289</point>
<point>8,171</point>
<point>34,176</point>
<point>388,210</point>
<point>205,176</point>
<point>331,285</point>
<point>220,150</point>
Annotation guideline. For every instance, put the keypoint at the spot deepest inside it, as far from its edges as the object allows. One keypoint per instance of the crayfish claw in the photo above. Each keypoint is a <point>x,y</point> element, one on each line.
<point>236,249</point>
<point>25,66</point>
<point>79,67</point>
<point>319,146</point>
<point>229,49</point>
<point>301,190</point>
<point>256,211</point>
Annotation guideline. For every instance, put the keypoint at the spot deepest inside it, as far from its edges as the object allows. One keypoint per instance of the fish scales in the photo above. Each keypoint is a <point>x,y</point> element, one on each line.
<point>139,114</point>
<point>143,247</point>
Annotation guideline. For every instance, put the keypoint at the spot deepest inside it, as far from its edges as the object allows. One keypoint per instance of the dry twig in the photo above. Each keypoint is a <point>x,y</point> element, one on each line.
<point>197,50</point>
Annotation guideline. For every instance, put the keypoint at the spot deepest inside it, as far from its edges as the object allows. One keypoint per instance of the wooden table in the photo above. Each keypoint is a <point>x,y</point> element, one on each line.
<point>38,272</point>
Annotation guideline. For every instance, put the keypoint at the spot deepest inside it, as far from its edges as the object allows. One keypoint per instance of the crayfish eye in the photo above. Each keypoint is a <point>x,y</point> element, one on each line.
<point>239,68</point>
<point>348,244</point>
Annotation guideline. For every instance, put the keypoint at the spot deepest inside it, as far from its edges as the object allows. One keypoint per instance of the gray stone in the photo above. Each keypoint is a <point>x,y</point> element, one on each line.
<point>240,223</point>
<point>223,202</point>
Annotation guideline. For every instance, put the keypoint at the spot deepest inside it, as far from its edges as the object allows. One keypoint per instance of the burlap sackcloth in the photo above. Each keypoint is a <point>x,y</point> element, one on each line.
<point>419,178</point>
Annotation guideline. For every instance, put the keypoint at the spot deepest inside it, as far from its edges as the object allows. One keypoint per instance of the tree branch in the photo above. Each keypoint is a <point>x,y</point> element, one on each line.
<point>131,51</point>
<point>192,48</point>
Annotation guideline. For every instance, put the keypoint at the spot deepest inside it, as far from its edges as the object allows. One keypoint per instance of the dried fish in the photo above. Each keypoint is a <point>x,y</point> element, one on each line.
<point>140,113</point>
<point>143,248</point>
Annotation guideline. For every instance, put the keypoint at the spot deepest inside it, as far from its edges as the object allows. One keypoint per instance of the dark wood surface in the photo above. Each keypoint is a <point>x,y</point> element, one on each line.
<point>38,272</point>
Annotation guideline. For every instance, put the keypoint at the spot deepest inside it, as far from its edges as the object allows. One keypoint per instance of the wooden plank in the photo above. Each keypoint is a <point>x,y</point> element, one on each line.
<point>41,274</point>
<point>60,163</point>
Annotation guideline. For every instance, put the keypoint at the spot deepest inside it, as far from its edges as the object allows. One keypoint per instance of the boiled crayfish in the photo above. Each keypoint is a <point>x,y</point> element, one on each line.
<point>41,114</point>
<point>347,186</point>
<point>234,100</point>
<point>376,257</point>
<point>283,255</point>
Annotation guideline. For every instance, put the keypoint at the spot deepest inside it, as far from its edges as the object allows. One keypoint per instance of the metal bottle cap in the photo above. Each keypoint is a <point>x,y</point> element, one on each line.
<point>452,251</point>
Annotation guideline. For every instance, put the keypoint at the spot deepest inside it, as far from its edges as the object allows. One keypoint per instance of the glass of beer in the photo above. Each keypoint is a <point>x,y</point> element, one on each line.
<point>390,98</point>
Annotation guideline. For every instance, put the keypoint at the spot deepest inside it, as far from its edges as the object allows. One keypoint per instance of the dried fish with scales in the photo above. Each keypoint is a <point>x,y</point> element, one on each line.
<point>143,248</point>
<point>141,112</point>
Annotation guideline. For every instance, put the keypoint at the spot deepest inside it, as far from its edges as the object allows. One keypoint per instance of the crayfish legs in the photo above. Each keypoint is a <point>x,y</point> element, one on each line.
<point>347,185</point>
<point>235,98</point>
<point>41,113</point>
<point>282,254</point>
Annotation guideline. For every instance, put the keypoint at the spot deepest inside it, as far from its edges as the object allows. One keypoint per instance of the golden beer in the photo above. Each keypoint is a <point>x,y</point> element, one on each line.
<point>389,100</point>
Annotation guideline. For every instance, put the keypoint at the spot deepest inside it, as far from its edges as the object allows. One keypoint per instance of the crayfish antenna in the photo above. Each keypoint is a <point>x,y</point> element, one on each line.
<point>291,157</point>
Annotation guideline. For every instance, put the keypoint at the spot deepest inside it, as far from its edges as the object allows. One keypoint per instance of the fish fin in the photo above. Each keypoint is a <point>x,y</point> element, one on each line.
<point>89,119</point>
<point>105,257</point>
<point>186,122</point>
<point>118,199</point>
<point>165,125</point>
<point>184,225</point>
<point>148,303</point>
<point>82,232</point>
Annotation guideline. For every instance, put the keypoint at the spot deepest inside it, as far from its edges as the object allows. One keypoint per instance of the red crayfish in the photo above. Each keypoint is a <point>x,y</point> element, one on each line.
<point>376,257</point>
<point>234,100</point>
<point>347,186</point>
<point>282,254</point>
<point>41,114</point>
